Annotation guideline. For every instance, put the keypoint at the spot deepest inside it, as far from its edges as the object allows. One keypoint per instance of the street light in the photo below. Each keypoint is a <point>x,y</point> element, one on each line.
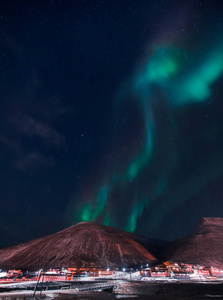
<point>130,274</point>
<point>38,278</point>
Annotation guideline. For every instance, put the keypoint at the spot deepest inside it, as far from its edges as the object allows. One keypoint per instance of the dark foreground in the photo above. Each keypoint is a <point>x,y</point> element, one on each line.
<point>133,290</point>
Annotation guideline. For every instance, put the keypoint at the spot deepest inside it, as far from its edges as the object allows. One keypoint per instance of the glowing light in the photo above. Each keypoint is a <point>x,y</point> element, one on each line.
<point>106,219</point>
<point>91,211</point>
<point>136,212</point>
<point>196,86</point>
<point>139,163</point>
<point>159,67</point>
<point>180,81</point>
<point>85,213</point>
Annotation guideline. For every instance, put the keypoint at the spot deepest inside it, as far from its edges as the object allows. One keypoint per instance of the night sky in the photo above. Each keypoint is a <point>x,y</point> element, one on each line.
<point>110,111</point>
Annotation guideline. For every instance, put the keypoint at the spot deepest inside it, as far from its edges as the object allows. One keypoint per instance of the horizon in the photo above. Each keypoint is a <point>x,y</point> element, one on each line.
<point>207,220</point>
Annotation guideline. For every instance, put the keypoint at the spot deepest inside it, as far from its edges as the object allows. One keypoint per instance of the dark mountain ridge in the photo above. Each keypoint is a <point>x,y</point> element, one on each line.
<point>203,246</point>
<point>85,244</point>
<point>92,245</point>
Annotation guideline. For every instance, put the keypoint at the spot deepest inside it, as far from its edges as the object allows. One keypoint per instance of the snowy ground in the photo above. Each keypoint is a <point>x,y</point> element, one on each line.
<point>148,288</point>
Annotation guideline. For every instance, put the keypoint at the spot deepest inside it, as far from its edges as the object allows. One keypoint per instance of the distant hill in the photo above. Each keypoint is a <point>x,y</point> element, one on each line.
<point>204,246</point>
<point>85,244</point>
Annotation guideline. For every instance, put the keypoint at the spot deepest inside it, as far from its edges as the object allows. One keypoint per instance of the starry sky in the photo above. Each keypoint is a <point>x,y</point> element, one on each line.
<point>110,111</point>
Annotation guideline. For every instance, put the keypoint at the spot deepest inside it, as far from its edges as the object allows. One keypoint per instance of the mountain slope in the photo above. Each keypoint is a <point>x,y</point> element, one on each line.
<point>203,246</point>
<point>86,244</point>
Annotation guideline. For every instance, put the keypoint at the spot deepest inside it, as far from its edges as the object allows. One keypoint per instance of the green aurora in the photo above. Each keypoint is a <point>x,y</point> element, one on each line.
<point>183,82</point>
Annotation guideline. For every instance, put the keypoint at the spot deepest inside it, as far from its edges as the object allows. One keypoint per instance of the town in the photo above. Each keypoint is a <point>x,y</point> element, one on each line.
<point>114,262</point>
<point>166,270</point>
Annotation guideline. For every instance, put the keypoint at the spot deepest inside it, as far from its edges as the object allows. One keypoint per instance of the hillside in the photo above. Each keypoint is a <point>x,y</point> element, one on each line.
<point>86,244</point>
<point>203,246</point>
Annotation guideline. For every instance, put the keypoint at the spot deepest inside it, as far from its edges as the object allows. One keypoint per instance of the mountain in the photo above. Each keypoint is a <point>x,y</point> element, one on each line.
<point>203,246</point>
<point>155,246</point>
<point>85,244</point>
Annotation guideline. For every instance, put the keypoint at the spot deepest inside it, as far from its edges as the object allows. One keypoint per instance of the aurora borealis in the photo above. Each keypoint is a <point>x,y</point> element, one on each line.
<point>185,77</point>
<point>111,112</point>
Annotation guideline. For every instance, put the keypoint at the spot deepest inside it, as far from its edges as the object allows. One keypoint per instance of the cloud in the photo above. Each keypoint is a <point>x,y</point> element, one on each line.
<point>27,140</point>
<point>36,128</point>
<point>35,160</point>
